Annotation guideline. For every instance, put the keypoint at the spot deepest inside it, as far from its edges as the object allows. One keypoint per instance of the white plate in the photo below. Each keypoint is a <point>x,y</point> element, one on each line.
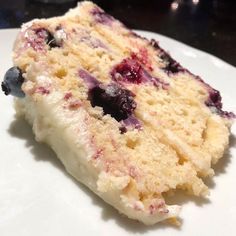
<point>37,196</point>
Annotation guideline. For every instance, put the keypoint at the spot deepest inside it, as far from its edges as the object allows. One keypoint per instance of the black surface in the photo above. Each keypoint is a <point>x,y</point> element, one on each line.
<point>209,25</point>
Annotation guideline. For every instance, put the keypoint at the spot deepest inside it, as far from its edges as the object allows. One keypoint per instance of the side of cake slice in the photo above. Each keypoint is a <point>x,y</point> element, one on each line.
<point>122,115</point>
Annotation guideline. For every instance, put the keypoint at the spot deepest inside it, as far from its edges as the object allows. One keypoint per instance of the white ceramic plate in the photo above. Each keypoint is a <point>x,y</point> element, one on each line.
<point>37,196</point>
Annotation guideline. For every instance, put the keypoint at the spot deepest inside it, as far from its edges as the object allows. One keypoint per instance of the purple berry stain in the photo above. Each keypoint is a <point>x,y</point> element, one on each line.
<point>88,79</point>
<point>132,121</point>
<point>102,17</point>
<point>215,104</point>
<point>115,100</point>
<point>41,38</point>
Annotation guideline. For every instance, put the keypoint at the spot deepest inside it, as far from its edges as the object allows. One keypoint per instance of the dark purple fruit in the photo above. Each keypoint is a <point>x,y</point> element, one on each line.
<point>116,101</point>
<point>12,82</point>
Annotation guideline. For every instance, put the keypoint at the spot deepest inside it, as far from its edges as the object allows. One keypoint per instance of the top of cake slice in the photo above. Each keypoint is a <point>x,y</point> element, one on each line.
<point>151,125</point>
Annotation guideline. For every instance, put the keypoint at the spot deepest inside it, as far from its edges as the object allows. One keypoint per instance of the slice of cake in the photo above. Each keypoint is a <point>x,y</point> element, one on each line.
<point>122,115</point>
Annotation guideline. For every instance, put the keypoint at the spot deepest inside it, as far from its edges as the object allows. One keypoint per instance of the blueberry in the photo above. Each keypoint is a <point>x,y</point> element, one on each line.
<point>115,100</point>
<point>12,82</point>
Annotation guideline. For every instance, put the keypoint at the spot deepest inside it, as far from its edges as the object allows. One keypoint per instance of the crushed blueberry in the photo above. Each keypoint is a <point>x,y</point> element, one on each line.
<point>115,100</point>
<point>12,82</point>
<point>47,36</point>
<point>214,99</point>
<point>227,114</point>
<point>215,104</point>
<point>131,71</point>
<point>171,66</point>
<point>102,17</point>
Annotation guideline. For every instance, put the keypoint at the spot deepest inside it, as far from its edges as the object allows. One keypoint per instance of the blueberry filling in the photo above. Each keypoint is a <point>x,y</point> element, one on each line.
<point>116,101</point>
<point>12,82</point>
<point>171,66</point>
<point>47,37</point>
<point>131,71</point>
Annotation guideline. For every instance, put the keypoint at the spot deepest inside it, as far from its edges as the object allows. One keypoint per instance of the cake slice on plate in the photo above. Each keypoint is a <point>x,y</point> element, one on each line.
<point>122,115</point>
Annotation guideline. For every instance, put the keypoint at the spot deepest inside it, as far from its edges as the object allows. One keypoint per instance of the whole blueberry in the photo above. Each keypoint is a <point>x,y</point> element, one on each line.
<point>12,82</point>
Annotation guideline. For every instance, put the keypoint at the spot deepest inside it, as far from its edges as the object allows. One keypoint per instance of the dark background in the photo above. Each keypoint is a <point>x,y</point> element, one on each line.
<point>209,25</point>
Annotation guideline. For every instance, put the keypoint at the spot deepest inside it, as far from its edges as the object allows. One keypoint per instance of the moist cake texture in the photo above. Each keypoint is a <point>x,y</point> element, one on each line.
<point>122,115</point>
